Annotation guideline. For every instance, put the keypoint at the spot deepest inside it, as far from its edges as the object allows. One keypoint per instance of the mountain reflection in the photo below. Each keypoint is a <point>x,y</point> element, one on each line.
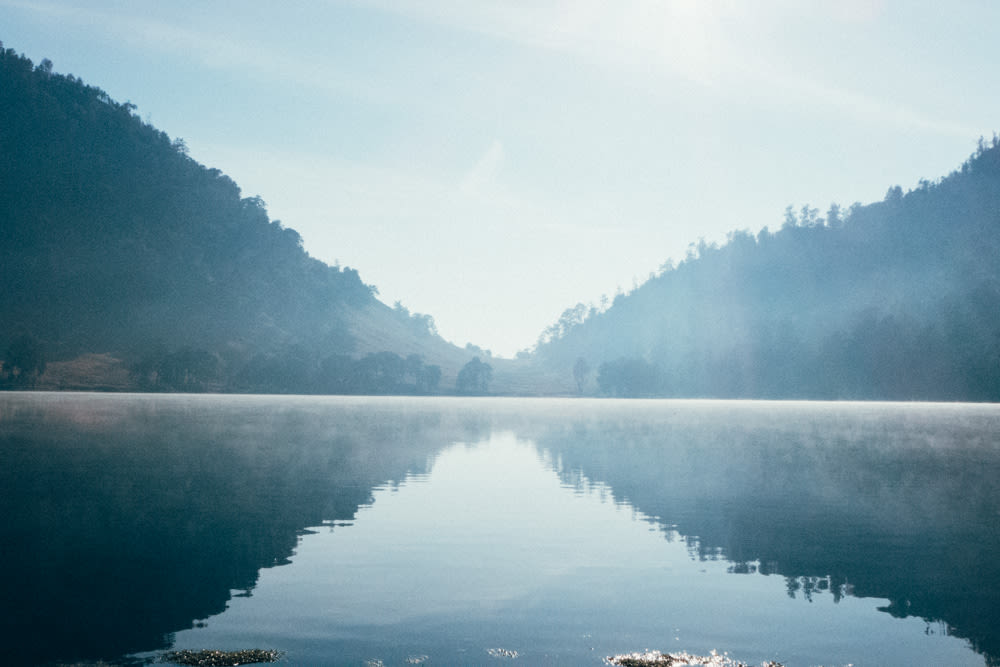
<point>886,501</point>
<point>129,518</point>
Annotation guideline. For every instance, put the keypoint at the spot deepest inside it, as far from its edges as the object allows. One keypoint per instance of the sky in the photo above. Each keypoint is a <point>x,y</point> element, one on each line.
<point>494,163</point>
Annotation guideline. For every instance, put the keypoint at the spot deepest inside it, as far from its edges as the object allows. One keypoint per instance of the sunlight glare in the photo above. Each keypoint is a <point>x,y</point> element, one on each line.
<point>679,37</point>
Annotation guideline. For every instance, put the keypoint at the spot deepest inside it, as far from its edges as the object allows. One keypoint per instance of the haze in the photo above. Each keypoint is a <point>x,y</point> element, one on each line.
<point>492,164</point>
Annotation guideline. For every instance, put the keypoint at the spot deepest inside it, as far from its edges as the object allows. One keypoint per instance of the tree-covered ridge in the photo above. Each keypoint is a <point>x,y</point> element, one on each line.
<point>895,300</point>
<point>112,239</point>
<point>112,236</point>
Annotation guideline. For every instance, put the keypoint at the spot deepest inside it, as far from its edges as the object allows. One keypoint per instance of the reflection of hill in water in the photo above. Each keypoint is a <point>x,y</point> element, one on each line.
<point>128,518</point>
<point>124,524</point>
<point>897,502</point>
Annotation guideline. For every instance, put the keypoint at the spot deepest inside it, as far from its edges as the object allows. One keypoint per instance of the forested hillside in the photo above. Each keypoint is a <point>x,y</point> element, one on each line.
<point>119,251</point>
<point>899,299</point>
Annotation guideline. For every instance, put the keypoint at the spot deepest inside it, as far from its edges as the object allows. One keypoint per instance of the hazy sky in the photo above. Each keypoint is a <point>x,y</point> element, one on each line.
<point>493,163</point>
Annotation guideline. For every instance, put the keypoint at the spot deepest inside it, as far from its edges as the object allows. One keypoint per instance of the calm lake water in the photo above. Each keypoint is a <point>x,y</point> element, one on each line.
<point>436,531</point>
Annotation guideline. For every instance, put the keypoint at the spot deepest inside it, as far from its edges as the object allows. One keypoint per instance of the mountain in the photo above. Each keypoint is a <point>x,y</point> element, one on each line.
<point>125,264</point>
<point>899,299</point>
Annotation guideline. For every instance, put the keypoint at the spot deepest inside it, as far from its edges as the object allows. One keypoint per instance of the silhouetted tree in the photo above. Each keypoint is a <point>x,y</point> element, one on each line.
<point>379,373</point>
<point>334,374</point>
<point>413,366</point>
<point>145,372</point>
<point>474,377</point>
<point>188,369</point>
<point>24,361</point>
<point>834,216</point>
<point>629,378</point>
<point>430,378</point>
<point>286,371</point>
<point>581,369</point>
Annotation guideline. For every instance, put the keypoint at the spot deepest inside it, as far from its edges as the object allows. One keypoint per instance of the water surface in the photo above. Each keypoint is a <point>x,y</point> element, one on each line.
<point>345,530</point>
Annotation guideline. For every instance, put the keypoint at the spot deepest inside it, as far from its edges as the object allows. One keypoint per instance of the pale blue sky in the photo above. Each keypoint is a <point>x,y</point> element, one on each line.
<point>492,163</point>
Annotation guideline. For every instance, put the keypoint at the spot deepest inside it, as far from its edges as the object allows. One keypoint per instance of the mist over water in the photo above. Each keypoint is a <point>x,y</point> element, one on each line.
<point>341,530</point>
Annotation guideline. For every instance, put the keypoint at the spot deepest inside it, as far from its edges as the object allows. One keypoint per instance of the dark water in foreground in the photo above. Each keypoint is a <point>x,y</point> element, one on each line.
<point>346,530</point>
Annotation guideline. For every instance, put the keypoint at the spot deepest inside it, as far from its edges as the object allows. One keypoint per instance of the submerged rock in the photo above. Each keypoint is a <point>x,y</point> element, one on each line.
<point>502,652</point>
<point>221,658</point>
<point>651,658</point>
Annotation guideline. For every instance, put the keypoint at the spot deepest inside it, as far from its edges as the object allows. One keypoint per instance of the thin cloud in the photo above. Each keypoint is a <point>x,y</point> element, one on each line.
<point>675,37</point>
<point>850,102</point>
<point>691,39</point>
<point>211,50</point>
<point>483,175</point>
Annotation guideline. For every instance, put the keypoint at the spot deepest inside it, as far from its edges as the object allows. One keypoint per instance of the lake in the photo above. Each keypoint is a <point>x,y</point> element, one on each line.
<point>347,530</point>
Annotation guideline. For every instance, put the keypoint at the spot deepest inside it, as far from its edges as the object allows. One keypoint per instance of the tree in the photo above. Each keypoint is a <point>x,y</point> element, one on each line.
<point>285,371</point>
<point>791,220</point>
<point>425,378</point>
<point>581,369</point>
<point>809,217</point>
<point>413,366</point>
<point>894,194</point>
<point>188,369</point>
<point>24,361</point>
<point>629,378</point>
<point>570,318</point>
<point>834,217</point>
<point>379,373</point>
<point>474,378</point>
<point>429,379</point>
<point>334,374</point>
<point>146,371</point>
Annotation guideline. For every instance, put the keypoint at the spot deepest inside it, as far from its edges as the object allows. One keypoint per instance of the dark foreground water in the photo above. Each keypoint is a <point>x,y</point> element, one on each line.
<point>400,530</point>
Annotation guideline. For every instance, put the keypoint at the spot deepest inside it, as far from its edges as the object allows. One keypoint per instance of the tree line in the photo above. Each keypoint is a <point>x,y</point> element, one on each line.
<point>285,371</point>
<point>293,370</point>
<point>288,370</point>
<point>880,358</point>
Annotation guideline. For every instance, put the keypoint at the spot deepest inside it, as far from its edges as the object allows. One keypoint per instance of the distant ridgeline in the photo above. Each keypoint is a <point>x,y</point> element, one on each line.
<point>895,300</point>
<point>115,244</point>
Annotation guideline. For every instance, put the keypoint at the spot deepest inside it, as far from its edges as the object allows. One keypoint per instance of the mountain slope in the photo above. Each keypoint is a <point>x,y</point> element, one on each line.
<point>113,237</point>
<point>895,300</point>
<point>113,240</point>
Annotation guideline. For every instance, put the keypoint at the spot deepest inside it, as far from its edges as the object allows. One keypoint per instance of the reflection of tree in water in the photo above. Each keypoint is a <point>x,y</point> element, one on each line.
<point>805,587</point>
<point>122,526</point>
<point>893,502</point>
